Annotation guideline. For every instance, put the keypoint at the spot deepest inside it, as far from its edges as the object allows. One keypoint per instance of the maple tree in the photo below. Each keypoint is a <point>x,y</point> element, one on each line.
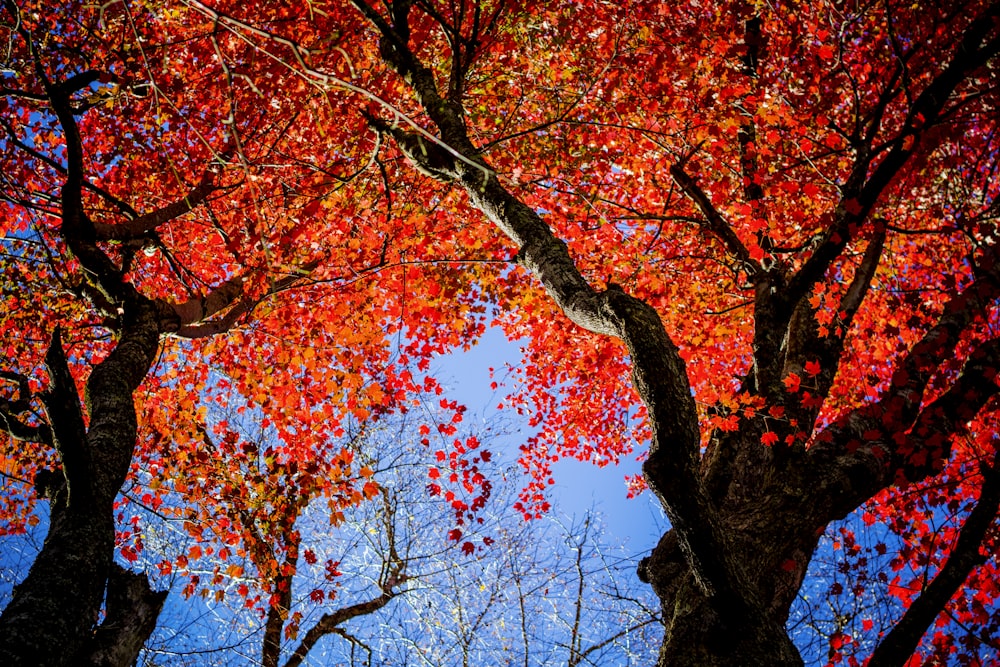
<point>145,252</point>
<point>764,205</point>
<point>779,221</point>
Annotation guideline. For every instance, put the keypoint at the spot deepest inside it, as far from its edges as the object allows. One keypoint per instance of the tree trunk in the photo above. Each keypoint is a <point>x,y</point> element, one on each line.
<point>132,608</point>
<point>53,616</point>
<point>698,634</point>
<point>55,609</point>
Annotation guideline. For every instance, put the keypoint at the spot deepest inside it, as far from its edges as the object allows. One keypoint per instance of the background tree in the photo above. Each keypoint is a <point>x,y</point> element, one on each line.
<point>297,543</point>
<point>379,583</point>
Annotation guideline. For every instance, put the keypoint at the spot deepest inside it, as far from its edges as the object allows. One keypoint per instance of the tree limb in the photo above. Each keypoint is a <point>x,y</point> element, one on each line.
<point>867,450</point>
<point>10,408</point>
<point>192,315</point>
<point>806,344</point>
<point>62,407</point>
<point>898,646</point>
<point>131,610</point>
<point>330,622</point>
<point>716,223</point>
<point>277,611</point>
<point>902,399</point>
<point>147,223</point>
<point>862,191</point>
<point>392,576</point>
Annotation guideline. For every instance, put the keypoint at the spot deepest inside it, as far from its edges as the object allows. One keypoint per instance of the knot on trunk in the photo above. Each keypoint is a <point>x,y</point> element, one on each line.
<point>51,485</point>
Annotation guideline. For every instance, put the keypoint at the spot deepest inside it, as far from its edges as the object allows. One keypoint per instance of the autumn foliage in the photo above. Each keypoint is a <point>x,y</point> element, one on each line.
<point>754,244</point>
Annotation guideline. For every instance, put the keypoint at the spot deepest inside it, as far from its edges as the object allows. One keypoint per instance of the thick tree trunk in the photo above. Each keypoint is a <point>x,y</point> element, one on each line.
<point>696,633</point>
<point>698,636</point>
<point>53,616</point>
<point>55,609</point>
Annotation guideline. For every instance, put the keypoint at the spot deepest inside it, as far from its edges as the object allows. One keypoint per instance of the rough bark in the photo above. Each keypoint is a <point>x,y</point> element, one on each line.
<point>53,613</point>
<point>131,610</point>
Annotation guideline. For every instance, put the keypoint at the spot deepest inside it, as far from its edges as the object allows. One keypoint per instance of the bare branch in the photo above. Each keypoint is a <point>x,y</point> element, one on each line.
<point>330,623</point>
<point>392,576</point>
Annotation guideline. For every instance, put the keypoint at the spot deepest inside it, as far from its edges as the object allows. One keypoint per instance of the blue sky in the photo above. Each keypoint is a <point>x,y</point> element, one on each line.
<point>579,486</point>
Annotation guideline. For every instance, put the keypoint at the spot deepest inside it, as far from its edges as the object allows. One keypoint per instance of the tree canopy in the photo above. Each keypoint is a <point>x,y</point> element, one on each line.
<point>753,243</point>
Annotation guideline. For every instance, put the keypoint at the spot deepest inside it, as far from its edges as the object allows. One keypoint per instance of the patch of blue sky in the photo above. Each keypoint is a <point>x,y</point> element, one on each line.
<point>580,487</point>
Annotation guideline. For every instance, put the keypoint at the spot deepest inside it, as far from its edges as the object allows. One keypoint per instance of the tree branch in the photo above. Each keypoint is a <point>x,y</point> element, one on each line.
<point>113,424</point>
<point>147,223</point>
<point>131,610</point>
<point>860,199</point>
<point>897,647</point>
<point>10,408</point>
<point>862,280</point>
<point>930,439</point>
<point>77,228</point>
<point>867,450</point>
<point>329,623</point>
<point>806,344</point>
<point>716,223</point>
<point>392,576</point>
<point>192,314</point>
<point>201,308</point>
<point>62,407</point>
<point>277,612</point>
<point>902,399</point>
